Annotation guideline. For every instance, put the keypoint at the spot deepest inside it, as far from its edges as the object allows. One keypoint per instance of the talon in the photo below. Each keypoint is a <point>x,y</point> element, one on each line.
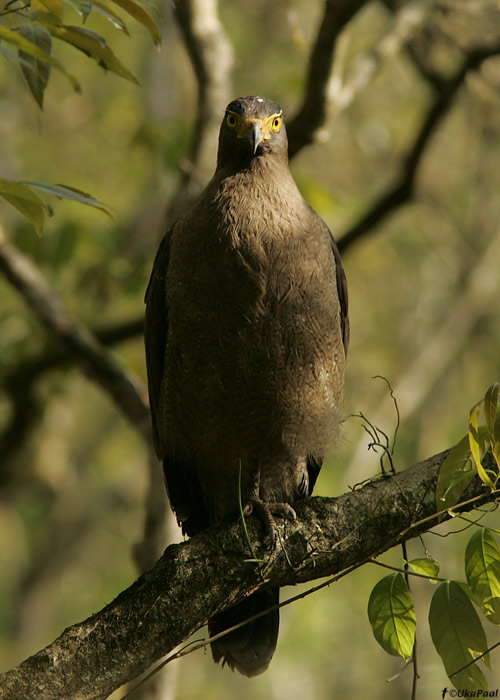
<point>284,510</point>
<point>265,512</point>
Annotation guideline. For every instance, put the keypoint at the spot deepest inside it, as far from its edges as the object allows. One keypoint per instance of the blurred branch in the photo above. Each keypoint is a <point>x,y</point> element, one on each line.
<point>20,385</point>
<point>478,294</point>
<point>416,47</point>
<point>26,411</point>
<point>63,539</point>
<point>148,549</point>
<point>313,111</point>
<point>176,597</point>
<point>211,56</point>
<point>54,358</point>
<point>409,22</point>
<point>125,389</point>
<point>402,190</point>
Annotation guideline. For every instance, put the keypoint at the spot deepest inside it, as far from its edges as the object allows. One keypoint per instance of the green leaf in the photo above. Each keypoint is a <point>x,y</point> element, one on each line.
<point>458,635</point>
<point>95,46</point>
<point>476,444</point>
<point>474,434</point>
<point>482,568</point>
<point>153,5</point>
<point>33,50</point>
<point>49,7</point>
<point>88,34</point>
<point>24,200</point>
<point>111,16</point>
<point>491,399</point>
<point>21,196</point>
<point>427,567</point>
<point>139,14</point>
<point>13,56</point>
<point>83,7</point>
<point>71,193</point>
<point>492,415</point>
<point>392,615</point>
<point>455,475</point>
<point>35,71</point>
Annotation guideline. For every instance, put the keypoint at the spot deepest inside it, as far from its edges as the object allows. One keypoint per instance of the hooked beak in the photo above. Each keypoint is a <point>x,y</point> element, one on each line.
<point>255,135</point>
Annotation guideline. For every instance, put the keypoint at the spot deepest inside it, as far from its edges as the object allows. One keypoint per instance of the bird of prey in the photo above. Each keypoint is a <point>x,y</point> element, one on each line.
<point>246,336</point>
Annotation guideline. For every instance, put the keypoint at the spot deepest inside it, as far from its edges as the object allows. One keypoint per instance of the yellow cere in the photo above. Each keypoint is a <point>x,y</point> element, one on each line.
<point>241,125</point>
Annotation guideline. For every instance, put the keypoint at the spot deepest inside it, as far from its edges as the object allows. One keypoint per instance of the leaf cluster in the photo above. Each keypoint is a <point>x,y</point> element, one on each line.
<point>31,34</point>
<point>465,459</point>
<point>23,196</point>
<point>34,26</point>
<point>455,625</point>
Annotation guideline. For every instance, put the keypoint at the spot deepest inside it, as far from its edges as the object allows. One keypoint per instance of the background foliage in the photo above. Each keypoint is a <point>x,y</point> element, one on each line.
<point>424,288</point>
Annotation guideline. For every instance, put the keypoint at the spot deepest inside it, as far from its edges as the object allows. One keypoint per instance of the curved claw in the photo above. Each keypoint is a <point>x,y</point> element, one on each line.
<point>265,512</point>
<point>284,510</point>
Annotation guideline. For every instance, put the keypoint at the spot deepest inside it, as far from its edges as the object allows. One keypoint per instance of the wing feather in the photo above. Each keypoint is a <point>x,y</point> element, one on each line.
<point>343,295</point>
<point>155,331</point>
<point>181,477</point>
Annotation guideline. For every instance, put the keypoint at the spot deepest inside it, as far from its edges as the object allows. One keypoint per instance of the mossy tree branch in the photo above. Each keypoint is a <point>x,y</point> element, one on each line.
<point>196,579</point>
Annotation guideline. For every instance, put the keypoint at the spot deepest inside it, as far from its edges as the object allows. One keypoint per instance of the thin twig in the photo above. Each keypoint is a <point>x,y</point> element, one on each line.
<point>414,658</point>
<point>14,10</point>
<point>403,571</point>
<point>203,643</point>
<point>474,660</point>
<point>379,439</point>
<point>406,568</point>
<point>396,408</point>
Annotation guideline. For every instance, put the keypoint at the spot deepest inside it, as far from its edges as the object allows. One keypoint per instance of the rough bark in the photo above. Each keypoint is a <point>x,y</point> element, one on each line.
<point>195,579</point>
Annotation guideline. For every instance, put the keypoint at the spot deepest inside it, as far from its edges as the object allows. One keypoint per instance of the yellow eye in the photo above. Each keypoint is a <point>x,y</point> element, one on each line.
<point>231,121</point>
<point>276,123</point>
